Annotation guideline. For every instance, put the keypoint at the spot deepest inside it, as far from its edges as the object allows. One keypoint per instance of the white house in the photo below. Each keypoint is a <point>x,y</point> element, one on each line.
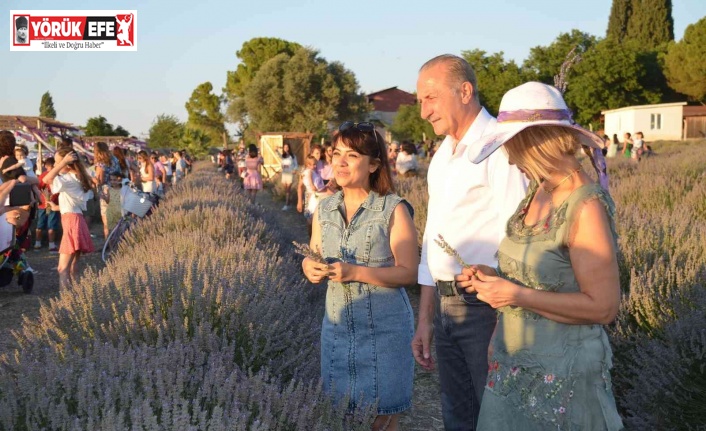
<point>662,121</point>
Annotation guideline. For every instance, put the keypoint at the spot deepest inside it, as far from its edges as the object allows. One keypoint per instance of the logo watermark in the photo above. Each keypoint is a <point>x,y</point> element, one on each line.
<point>73,30</point>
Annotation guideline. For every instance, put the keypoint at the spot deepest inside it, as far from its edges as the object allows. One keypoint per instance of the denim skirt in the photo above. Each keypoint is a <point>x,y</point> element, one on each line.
<point>366,352</point>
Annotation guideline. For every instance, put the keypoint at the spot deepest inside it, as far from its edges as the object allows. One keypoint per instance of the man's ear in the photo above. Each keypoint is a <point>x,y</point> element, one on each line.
<point>467,92</point>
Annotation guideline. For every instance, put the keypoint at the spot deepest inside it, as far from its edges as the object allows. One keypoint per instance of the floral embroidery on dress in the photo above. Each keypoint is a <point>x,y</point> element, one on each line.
<point>540,395</point>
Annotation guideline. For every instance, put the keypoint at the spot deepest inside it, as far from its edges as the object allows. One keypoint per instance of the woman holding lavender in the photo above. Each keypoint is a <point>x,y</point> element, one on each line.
<point>557,278</point>
<point>367,238</point>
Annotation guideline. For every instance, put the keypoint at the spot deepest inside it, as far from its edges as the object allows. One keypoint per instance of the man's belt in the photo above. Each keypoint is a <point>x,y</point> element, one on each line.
<point>449,288</point>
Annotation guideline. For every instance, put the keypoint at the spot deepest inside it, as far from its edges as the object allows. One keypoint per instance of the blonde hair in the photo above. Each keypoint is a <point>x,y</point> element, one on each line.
<point>539,150</point>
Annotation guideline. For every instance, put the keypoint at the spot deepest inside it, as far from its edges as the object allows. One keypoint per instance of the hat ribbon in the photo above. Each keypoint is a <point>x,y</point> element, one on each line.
<point>529,115</point>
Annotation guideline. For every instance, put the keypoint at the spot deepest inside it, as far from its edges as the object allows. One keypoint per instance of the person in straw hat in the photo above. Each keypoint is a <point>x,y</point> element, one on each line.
<point>557,277</point>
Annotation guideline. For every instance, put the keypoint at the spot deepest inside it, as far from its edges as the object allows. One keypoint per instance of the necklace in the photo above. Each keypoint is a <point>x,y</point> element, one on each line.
<point>549,191</point>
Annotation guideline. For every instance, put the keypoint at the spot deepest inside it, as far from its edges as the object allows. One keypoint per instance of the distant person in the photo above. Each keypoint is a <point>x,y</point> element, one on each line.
<point>70,180</point>
<point>289,167</point>
<point>21,34</point>
<point>47,214</point>
<point>613,147</point>
<point>638,145</point>
<point>253,179</point>
<point>627,145</point>
<point>406,163</point>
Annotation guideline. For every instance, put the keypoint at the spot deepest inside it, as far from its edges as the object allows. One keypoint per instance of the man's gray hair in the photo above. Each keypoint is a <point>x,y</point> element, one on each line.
<point>458,71</point>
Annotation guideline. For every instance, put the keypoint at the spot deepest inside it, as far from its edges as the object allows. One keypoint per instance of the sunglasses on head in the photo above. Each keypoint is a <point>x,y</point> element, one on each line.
<point>362,127</point>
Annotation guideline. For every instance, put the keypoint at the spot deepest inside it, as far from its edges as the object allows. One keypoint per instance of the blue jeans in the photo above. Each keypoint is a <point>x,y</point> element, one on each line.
<point>462,329</point>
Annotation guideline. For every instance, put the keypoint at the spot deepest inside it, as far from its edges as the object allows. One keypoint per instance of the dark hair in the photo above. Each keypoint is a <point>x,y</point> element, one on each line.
<point>22,148</point>
<point>252,151</point>
<point>7,143</point>
<point>119,154</point>
<point>101,153</point>
<point>78,167</point>
<point>49,161</point>
<point>408,148</point>
<point>66,142</point>
<point>287,153</point>
<point>369,144</point>
<point>322,153</point>
<point>615,139</point>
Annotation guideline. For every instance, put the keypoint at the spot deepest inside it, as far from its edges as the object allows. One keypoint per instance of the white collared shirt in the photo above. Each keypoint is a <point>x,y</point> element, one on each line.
<point>469,204</point>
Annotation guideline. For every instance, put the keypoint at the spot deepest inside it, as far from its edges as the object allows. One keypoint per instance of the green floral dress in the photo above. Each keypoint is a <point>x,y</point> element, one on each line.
<point>543,374</point>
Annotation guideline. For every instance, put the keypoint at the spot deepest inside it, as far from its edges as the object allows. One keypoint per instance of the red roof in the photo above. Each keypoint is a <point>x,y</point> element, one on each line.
<point>390,99</point>
<point>694,111</point>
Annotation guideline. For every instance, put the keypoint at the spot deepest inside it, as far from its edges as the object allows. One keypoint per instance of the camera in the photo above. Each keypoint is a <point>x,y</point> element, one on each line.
<point>20,195</point>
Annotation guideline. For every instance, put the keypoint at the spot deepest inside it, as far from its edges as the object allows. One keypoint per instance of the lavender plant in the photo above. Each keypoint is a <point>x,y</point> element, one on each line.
<point>214,331</point>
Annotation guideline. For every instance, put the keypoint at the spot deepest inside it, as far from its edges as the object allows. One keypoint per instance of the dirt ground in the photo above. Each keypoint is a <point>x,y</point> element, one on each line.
<point>14,303</point>
<point>425,414</point>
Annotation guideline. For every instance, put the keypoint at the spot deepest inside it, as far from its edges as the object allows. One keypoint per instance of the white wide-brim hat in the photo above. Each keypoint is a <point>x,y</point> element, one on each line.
<point>529,105</point>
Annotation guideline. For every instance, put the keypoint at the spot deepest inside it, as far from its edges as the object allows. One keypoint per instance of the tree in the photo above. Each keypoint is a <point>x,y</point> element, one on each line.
<point>544,62</point>
<point>301,93</point>
<point>619,20</point>
<point>166,131</point>
<point>610,76</point>
<point>685,62</point>
<point>494,75</point>
<point>651,24</point>
<point>98,126</point>
<point>204,112</point>
<point>119,131</point>
<point>46,106</point>
<point>253,54</point>
<point>410,126</point>
<point>195,142</point>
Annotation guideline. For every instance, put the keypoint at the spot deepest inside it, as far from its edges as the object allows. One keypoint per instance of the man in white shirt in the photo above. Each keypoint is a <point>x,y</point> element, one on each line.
<point>469,205</point>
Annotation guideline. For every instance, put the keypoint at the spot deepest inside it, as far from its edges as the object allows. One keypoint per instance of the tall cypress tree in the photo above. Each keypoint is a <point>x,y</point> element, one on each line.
<point>651,24</point>
<point>46,106</point>
<point>620,13</point>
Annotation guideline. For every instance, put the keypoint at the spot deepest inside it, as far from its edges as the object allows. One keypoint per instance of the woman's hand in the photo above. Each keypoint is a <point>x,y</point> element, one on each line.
<point>17,216</point>
<point>340,272</point>
<point>300,207</point>
<point>465,278</point>
<point>69,158</point>
<point>314,271</point>
<point>494,290</point>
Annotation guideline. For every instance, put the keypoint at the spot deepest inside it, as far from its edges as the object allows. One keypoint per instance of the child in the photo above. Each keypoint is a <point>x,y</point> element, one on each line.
<point>23,162</point>
<point>48,218</point>
<point>315,189</point>
<point>69,179</point>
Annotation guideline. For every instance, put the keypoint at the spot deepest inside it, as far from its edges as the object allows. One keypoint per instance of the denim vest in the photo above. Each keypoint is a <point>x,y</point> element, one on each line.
<point>366,240</point>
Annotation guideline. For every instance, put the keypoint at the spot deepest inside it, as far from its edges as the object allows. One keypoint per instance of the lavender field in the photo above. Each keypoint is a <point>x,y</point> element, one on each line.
<point>659,338</point>
<point>220,331</point>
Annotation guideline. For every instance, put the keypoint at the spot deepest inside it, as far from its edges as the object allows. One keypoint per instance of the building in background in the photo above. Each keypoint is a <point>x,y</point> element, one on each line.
<point>386,103</point>
<point>663,121</point>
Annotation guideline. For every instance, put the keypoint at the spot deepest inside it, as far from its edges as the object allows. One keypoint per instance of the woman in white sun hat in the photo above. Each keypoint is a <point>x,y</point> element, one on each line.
<point>557,277</point>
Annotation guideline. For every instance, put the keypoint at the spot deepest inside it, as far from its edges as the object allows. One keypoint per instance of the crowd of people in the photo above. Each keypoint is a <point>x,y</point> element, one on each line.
<point>630,148</point>
<point>67,191</point>
<point>518,267</point>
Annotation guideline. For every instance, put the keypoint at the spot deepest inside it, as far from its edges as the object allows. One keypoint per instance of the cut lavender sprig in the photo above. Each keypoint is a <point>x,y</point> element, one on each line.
<point>441,242</point>
<point>306,251</point>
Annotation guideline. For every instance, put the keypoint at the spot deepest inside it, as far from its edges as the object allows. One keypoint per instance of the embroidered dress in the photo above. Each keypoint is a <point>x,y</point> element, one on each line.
<point>546,375</point>
<point>367,330</point>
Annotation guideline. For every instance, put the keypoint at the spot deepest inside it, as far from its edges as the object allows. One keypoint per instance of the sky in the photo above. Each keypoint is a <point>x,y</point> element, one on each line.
<point>183,44</point>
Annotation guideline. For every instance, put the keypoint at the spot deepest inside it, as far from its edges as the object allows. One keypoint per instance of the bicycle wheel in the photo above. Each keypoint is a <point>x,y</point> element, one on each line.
<point>111,244</point>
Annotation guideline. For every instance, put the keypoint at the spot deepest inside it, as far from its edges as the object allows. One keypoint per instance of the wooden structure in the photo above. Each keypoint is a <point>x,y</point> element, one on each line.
<point>271,147</point>
<point>694,122</point>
